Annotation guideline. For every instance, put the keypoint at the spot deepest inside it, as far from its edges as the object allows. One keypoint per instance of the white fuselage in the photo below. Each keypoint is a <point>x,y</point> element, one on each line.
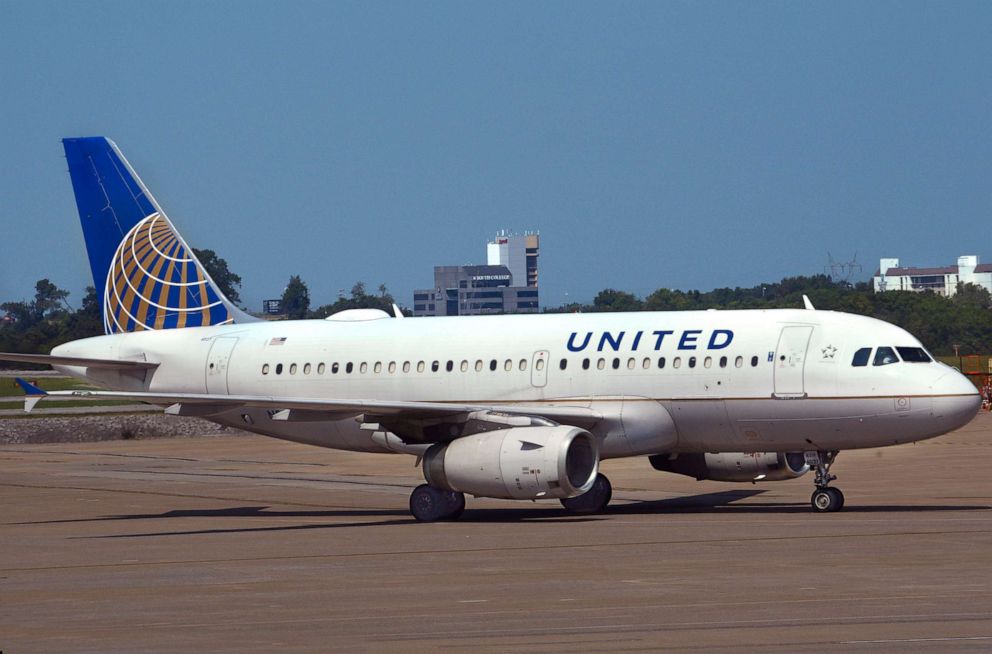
<point>701,381</point>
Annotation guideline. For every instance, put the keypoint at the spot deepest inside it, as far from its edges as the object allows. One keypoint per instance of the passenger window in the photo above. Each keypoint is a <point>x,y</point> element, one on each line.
<point>349,367</point>
<point>265,369</point>
<point>449,366</point>
<point>364,368</point>
<point>406,366</point>
<point>585,364</point>
<point>306,368</point>
<point>754,362</point>
<point>561,364</point>
<point>861,357</point>
<point>523,364</point>
<point>435,366</point>
<point>601,364</point>
<point>738,362</point>
<point>723,362</point>
<point>508,365</point>
<point>914,355</point>
<point>420,366</point>
<point>631,363</point>
<point>321,368</point>
<point>677,362</point>
<point>334,368</point>
<point>392,367</point>
<point>884,356</point>
<point>539,365</point>
<point>378,367</point>
<point>464,366</point>
<point>292,368</point>
<point>478,365</point>
<point>492,364</point>
<point>661,362</point>
<point>707,362</point>
<point>616,363</point>
<point>646,363</point>
<point>692,362</point>
<point>278,368</point>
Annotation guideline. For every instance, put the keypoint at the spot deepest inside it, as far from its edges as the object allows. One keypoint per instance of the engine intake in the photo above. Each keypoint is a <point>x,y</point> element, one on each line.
<point>734,466</point>
<point>522,463</point>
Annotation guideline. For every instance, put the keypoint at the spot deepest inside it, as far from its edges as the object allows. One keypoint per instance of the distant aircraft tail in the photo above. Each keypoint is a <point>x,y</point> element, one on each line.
<point>145,274</point>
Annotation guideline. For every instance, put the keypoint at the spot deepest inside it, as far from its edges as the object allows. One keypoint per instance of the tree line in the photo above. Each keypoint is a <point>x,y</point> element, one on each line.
<point>47,320</point>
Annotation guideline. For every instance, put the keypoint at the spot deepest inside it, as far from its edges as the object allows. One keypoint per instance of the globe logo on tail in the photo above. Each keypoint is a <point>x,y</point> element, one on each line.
<point>155,283</point>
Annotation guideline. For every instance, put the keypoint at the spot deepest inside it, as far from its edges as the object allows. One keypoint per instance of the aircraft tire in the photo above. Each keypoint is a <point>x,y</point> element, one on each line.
<point>593,500</point>
<point>429,504</point>
<point>456,505</point>
<point>826,500</point>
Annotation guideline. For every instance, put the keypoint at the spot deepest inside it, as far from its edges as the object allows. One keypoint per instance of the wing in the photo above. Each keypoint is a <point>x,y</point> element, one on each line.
<point>411,420</point>
<point>82,362</point>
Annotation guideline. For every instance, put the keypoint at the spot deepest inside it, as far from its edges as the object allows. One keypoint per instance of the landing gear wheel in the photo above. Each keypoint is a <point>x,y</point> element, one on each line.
<point>455,503</point>
<point>429,504</point>
<point>827,500</point>
<point>593,500</point>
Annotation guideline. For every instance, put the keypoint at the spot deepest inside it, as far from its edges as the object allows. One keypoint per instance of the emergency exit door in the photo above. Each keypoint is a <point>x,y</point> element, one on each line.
<point>790,361</point>
<point>539,369</point>
<point>218,362</point>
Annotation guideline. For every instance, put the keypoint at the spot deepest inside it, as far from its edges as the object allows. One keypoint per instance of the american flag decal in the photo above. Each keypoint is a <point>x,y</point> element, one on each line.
<point>278,340</point>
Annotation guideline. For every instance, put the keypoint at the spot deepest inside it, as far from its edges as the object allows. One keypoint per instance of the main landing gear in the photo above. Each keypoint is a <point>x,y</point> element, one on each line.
<point>825,499</point>
<point>430,504</point>
<point>593,500</point>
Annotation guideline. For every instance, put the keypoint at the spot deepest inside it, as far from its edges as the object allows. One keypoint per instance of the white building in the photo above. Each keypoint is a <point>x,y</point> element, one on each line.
<point>943,281</point>
<point>518,253</point>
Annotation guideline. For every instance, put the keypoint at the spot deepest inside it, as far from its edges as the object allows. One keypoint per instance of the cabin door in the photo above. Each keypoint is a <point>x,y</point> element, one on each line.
<point>217,364</point>
<point>790,361</point>
<point>539,369</point>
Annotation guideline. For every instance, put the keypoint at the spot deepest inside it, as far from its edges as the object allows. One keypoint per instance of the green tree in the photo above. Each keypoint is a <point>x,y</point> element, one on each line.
<point>612,300</point>
<point>359,300</point>
<point>296,299</point>
<point>216,267</point>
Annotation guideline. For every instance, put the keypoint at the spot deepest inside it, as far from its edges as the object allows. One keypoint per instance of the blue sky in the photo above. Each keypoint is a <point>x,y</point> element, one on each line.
<point>662,144</point>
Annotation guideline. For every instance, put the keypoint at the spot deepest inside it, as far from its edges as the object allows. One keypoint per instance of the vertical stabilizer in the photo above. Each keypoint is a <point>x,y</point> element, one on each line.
<point>145,274</point>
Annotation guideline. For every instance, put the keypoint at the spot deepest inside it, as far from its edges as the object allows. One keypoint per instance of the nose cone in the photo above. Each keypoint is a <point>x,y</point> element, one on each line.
<point>955,401</point>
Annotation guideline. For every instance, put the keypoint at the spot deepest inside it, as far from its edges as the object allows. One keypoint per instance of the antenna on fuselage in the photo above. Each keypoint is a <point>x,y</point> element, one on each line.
<point>806,303</point>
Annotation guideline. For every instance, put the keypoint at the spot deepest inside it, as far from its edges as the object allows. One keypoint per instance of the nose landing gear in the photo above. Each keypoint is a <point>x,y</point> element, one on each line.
<point>825,499</point>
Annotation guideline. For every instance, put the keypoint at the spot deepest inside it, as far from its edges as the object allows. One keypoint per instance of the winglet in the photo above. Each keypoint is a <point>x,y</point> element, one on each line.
<point>32,394</point>
<point>806,303</point>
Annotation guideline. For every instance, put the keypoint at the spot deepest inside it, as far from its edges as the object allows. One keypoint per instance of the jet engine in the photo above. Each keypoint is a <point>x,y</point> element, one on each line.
<point>734,466</point>
<point>522,463</point>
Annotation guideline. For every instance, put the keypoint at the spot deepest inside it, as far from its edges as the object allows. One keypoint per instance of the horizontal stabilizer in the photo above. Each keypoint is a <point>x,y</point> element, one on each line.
<point>82,362</point>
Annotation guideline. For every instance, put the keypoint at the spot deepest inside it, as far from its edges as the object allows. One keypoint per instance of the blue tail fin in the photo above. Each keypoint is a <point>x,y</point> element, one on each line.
<point>145,274</point>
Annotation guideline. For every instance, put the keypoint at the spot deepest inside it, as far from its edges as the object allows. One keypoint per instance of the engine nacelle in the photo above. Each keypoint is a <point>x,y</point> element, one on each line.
<point>734,466</point>
<point>523,463</point>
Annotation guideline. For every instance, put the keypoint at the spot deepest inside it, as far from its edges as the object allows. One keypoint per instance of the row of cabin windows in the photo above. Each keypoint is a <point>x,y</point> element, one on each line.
<point>508,365</point>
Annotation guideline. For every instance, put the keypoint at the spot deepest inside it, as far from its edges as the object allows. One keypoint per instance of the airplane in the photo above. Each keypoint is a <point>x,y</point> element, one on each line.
<point>508,406</point>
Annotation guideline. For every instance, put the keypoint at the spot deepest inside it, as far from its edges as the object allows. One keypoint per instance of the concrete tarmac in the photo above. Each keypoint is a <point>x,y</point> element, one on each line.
<point>255,545</point>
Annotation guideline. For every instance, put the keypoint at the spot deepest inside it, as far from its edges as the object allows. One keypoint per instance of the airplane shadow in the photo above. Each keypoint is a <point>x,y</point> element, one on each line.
<point>725,502</point>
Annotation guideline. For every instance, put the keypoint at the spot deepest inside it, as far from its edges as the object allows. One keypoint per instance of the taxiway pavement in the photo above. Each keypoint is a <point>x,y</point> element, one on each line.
<point>255,545</point>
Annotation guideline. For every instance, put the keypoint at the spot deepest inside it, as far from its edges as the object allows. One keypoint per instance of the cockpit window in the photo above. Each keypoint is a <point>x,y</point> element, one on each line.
<point>861,357</point>
<point>884,356</point>
<point>914,354</point>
